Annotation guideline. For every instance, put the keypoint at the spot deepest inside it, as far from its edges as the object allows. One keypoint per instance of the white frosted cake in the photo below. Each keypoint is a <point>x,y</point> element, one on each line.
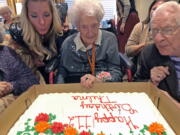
<point>91,114</point>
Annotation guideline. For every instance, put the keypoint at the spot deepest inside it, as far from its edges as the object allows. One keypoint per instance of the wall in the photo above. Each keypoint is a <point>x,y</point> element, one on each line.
<point>142,8</point>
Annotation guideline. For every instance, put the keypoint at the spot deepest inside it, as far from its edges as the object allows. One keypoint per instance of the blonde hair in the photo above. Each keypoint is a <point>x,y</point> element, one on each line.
<point>33,39</point>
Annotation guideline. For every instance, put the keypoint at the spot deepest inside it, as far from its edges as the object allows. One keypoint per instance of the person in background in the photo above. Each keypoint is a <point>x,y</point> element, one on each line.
<point>15,77</point>
<point>91,55</point>
<point>6,14</point>
<point>36,35</point>
<point>127,18</point>
<point>62,10</point>
<point>141,34</point>
<point>160,62</point>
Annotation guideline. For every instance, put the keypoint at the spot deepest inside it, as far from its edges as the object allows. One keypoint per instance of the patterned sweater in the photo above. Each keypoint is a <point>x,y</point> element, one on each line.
<point>15,71</point>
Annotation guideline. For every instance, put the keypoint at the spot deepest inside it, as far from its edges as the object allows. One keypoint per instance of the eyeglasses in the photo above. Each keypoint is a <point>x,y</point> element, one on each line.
<point>92,27</point>
<point>167,31</point>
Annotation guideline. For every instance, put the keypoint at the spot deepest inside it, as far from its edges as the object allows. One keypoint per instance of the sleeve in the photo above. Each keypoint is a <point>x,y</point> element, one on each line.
<point>113,60</point>
<point>126,9</point>
<point>61,72</point>
<point>134,38</point>
<point>143,69</point>
<point>23,77</point>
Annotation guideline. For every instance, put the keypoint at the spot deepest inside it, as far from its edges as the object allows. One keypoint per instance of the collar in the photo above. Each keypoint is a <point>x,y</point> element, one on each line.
<point>80,46</point>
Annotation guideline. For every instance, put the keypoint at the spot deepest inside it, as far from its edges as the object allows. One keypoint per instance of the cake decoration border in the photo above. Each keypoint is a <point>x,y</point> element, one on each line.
<point>44,124</point>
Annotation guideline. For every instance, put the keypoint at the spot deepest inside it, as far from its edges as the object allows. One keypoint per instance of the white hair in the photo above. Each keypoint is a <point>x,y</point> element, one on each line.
<point>87,7</point>
<point>171,7</point>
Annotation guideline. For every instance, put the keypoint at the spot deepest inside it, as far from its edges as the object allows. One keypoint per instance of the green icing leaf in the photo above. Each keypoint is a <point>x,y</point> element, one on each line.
<point>49,132</point>
<point>164,133</point>
<point>51,117</point>
<point>131,132</point>
<point>146,127</point>
<point>19,132</point>
<point>154,134</point>
<point>28,128</point>
<point>142,131</point>
<point>36,133</point>
<point>29,119</point>
<point>26,134</point>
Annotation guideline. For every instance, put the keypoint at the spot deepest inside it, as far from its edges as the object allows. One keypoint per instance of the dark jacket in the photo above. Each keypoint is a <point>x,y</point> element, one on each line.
<point>15,71</point>
<point>149,58</point>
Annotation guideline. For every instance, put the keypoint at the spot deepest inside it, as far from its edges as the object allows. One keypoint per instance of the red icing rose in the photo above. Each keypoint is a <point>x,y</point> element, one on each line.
<point>85,133</point>
<point>42,117</point>
<point>57,127</point>
<point>66,125</point>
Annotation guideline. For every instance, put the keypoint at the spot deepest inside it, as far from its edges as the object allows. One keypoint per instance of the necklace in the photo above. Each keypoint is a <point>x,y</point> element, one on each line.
<point>92,60</point>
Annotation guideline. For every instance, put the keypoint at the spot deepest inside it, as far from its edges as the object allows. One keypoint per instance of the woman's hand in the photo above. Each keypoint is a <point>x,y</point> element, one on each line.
<point>158,74</point>
<point>122,27</point>
<point>5,88</point>
<point>88,80</point>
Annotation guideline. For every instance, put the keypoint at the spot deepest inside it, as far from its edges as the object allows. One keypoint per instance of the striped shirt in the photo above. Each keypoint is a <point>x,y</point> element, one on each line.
<point>176,61</point>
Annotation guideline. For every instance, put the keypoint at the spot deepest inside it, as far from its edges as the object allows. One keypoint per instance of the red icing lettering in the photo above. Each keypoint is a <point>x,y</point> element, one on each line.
<point>122,119</point>
<point>81,120</point>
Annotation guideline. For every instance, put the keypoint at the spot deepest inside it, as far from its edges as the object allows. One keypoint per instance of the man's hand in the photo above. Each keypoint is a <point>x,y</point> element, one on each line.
<point>158,74</point>
<point>88,80</point>
<point>5,88</point>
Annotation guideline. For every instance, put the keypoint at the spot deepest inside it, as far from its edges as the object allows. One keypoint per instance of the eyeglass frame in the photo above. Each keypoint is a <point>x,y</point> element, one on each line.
<point>165,31</point>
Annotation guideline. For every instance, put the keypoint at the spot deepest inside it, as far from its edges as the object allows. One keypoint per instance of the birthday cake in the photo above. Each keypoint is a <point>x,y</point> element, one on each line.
<point>92,114</point>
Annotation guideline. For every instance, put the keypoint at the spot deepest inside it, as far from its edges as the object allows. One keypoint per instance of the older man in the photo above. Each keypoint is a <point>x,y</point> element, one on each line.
<point>161,62</point>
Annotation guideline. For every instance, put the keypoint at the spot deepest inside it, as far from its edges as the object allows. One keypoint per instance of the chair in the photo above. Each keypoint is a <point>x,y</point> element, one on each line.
<point>51,66</point>
<point>126,66</point>
<point>1,75</point>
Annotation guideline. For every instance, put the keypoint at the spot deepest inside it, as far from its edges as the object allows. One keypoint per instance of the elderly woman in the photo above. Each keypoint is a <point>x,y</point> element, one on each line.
<point>91,55</point>
<point>36,35</point>
<point>15,76</point>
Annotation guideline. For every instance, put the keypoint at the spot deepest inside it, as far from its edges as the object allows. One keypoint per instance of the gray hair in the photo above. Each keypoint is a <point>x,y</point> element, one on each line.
<point>5,9</point>
<point>171,7</point>
<point>87,7</point>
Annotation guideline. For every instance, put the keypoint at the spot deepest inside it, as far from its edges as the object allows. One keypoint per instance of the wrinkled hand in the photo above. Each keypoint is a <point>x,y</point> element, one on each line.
<point>88,80</point>
<point>5,88</point>
<point>122,27</point>
<point>158,74</point>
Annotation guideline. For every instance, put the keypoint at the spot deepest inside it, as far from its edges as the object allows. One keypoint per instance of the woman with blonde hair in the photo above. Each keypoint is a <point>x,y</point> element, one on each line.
<point>37,33</point>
